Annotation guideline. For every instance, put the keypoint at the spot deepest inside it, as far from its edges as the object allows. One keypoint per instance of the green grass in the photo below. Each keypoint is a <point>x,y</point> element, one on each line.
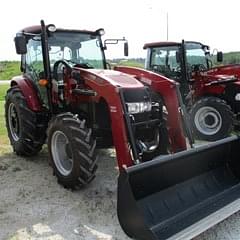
<point>3,90</point>
<point>131,63</point>
<point>2,120</point>
<point>3,130</point>
<point>9,69</point>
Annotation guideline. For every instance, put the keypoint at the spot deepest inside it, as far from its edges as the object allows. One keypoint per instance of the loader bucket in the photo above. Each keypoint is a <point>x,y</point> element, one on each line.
<point>180,195</point>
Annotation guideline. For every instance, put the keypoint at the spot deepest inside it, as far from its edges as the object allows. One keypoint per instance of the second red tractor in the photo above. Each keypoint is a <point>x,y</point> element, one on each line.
<point>211,94</point>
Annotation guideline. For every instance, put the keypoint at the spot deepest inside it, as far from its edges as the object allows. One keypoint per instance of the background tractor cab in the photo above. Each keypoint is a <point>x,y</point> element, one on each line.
<point>210,93</point>
<point>179,61</point>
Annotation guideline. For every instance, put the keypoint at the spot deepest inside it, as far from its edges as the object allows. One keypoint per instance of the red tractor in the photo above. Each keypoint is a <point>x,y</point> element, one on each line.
<point>67,95</point>
<point>211,94</point>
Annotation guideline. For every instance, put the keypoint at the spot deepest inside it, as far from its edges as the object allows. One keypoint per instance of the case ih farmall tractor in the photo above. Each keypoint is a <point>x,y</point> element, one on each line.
<point>211,94</point>
<point>67,94</point>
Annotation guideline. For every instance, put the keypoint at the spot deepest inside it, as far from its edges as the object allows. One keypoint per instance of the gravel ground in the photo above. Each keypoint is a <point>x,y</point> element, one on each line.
<point>33,206</point>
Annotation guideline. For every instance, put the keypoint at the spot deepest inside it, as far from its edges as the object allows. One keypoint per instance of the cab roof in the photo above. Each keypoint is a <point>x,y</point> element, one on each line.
<point>166,44</point>
<point>36,29</point>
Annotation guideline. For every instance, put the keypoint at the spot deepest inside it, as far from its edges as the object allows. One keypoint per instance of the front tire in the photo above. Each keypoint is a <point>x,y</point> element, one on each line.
<point>211,119</point>
<point>26,133</point>
<point>72,151</point>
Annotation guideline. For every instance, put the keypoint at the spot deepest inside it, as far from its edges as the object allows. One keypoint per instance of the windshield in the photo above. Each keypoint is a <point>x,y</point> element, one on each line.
<point>164,60</point>
<point>196,54</point>
<point>77,47</point>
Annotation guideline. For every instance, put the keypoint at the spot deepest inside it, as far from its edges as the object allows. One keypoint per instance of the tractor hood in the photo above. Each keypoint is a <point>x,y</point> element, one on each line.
<point>231,69</point>
<point>219,75</point>
<point>115,78</point>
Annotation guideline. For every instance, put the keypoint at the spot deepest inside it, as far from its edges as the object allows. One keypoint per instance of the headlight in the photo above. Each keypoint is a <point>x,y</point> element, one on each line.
<point>164,109</point>
<point>139,107</point>
<point>237,97</point>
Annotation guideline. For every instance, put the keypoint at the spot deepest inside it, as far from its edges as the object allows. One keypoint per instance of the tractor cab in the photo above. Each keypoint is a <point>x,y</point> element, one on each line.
<point>78,48</point>
<point>170,58</point>
<point>43,54</point>
<point>179,61</point>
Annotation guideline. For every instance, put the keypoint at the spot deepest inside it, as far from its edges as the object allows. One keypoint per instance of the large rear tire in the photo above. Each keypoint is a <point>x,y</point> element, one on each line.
<point>25,132</point>
<point>72,151</point>
<point>211,119</point>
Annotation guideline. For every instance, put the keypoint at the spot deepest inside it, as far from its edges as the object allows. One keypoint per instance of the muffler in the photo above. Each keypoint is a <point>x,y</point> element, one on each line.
<point>180,195</point>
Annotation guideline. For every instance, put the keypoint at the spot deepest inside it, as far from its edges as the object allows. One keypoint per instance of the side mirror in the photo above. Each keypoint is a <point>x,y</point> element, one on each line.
<point>116,41</point>
<point>126,49</point>
<point>219,56</point>
<point>20,44</point>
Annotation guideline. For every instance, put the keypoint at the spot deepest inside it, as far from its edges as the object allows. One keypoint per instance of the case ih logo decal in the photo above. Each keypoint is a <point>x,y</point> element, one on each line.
<point>113,109</point>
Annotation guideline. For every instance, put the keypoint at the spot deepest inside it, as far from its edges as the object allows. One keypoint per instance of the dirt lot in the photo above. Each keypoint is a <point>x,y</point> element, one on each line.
<point>33,206</point>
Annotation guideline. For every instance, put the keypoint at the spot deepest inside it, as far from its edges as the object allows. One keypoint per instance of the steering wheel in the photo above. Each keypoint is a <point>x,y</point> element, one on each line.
<point>178,70</point>
<point>56,73</point>
<point>159,68</point>
<point>81,65</point>
<point>198,68</point>
<point>86,65</point>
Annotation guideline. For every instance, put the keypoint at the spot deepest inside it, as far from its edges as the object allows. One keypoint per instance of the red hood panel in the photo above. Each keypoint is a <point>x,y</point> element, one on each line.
<point>231,69</point>
<point>116,78</point>
<point>220,76</point>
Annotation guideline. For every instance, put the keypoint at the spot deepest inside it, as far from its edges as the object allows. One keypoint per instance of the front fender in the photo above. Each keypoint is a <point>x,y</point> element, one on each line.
<point>29,92</point>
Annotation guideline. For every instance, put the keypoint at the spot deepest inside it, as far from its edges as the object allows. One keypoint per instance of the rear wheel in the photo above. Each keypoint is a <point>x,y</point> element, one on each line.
<point>25,132</point>
<point>72,151</point>
<point>211,119</point>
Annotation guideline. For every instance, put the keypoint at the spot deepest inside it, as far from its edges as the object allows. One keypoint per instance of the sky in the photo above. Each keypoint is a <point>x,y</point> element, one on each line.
<point>215,23</point>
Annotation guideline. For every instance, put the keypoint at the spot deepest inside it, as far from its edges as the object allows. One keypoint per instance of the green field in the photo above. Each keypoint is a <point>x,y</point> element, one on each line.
<point>3,130</point>
<point>132,63</point>
<point>9,69</point>
<point>3,90</point>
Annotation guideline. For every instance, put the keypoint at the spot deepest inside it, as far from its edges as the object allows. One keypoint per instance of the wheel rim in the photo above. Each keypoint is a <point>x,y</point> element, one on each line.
<point>208,120</point>
<point>62,153</point>
<point>13,122</point>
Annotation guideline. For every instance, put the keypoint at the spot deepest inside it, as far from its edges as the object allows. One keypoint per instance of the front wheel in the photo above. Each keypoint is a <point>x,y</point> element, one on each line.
<point>72,151</point>
<point>211,119</point>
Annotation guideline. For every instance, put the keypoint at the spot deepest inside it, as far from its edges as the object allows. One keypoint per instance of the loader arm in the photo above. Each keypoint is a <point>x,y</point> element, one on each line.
<point>119,132</point>
<point>167,89</point>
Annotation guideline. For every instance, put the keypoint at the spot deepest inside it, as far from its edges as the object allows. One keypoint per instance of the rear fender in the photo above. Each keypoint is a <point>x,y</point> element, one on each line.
<point>214,90</point>
<point>28,92</point>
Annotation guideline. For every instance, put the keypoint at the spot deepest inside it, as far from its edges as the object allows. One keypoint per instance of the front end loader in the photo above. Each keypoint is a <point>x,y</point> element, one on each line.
<point>67,95</point>
<point>180,195</point>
